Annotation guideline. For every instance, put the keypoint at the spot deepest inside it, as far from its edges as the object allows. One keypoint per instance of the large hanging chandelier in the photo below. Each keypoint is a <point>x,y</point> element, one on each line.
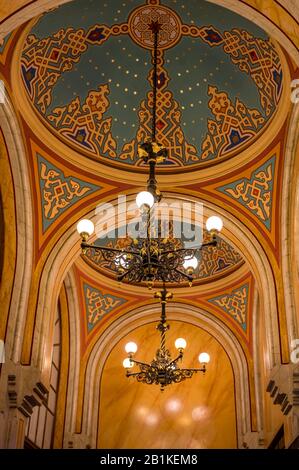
<point>150,258</point>
<point>162,370</point>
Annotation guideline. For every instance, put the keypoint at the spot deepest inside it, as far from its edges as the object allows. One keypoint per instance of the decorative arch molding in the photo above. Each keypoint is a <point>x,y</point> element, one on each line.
<point>25,13</point>
<point>295,238</point>
<point>235,232</point>
<point>289,224</point>
<point>179,312</point>
<point>257,364</point>
<point>24,253</point>
<point>255,14</point>
<point>74,354</point>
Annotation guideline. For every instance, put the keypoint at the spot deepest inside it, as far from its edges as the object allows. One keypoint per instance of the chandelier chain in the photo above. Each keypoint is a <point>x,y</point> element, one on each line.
<point>156,33</point>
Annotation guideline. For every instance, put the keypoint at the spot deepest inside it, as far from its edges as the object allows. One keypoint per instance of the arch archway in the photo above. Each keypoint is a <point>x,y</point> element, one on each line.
<point>24,228</point>
<point>148,314</point>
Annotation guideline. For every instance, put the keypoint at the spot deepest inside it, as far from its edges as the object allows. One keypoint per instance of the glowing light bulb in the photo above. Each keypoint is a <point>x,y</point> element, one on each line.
<point>85,226</point>
<point>127,363</point>
<point>190,263</point>
<point>204,358</point>
<point>122,261</point>
<point>131,347</point>
<point>180,343</point>
<point>214,223</point>
<point>145,198</point>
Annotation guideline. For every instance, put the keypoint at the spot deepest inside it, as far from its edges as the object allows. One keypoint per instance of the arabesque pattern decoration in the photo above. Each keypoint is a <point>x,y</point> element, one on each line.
<point>88,123</point>
<point>215,261</point>
<point>59,192</point>
<point>168,126</point>
<point>254,56</point>
<point>45,60</point>
<point>255,193</point>
<point>233,125</point>
<point>84,124</point>
<point>98,304</point>
<point>235,304</point>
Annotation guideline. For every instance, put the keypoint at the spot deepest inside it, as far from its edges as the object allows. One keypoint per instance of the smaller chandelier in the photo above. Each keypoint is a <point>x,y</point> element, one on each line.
<point>163,370</point>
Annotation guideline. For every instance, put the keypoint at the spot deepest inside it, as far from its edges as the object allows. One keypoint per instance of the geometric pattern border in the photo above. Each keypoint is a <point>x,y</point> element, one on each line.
<point>235,305</point>
<point>58,192</point>
<point>255,193</point>
<point>98,304</point>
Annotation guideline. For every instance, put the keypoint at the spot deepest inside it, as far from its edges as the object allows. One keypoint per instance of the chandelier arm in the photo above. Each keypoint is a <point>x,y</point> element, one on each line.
<point>194,370</point>
<point>140,277</point>
<point>186,276</point>
<point>135,253</point>
<point>192,251</point>
<point>131,374</point>
<point>211,243</point>
<point>126,273</point>
<point>102,250</point>
<point>183,375</point>
<point>176,359</point>
<point>109,249</point>
<point>140,363</point>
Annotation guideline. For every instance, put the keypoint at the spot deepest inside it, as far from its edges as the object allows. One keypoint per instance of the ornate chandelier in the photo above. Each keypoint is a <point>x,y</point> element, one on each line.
<point>163,370</point>
<point>150,258</point>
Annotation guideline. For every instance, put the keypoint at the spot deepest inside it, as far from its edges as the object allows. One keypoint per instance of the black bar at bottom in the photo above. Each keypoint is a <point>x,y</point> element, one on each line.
<point>142,458</point>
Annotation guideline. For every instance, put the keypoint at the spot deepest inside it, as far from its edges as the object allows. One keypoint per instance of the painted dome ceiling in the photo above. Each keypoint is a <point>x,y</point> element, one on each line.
<point>87,69</point>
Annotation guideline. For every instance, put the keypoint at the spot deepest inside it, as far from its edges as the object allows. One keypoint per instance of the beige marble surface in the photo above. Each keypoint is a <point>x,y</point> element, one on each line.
<point>7,7</point>
<point>198,413</point>
<point>279,16</point>
<point>9,248</point>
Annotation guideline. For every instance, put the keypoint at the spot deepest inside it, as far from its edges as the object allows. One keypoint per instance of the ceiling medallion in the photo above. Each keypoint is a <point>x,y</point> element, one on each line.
<point>140,26</point>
